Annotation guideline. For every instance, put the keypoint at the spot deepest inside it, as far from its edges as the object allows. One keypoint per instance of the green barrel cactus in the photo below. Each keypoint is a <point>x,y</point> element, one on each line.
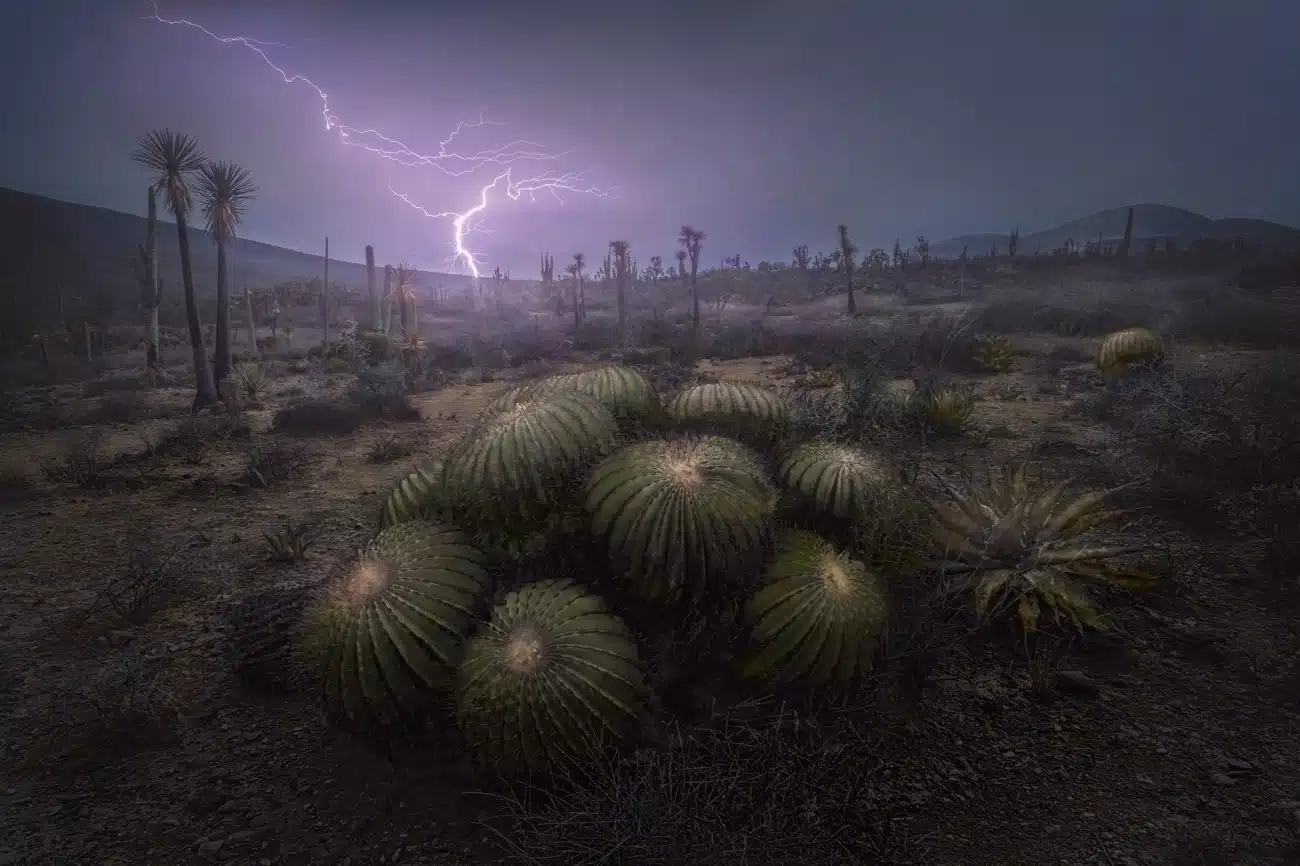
<point>536,390</point>
<point>552,677</point>
<point>517,460</point>
<point>680,514</point>
<point>843,481</point>
<point>728,403</point>
<point>384,638</point>
<point>1121,350</point>
<point>624,390</point>
<point>415,495</point>
<point>818,617</point>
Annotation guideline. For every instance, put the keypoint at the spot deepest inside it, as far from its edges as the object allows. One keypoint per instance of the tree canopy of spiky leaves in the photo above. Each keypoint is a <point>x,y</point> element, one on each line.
<point>836,479</point>
<point>553,677</point>
<point>681,516</point>
<point>385,637</point>
<point>818,616</point>
<point>1010,544</point>
<point>515,461</point>
<point>173,158</point>
<point>224,190</point>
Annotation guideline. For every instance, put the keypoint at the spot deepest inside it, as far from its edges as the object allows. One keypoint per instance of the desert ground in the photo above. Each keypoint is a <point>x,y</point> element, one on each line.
<point>134,530</point>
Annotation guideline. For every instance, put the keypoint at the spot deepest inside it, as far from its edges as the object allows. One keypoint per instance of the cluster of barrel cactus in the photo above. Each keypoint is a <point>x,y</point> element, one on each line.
<point>505,584</point>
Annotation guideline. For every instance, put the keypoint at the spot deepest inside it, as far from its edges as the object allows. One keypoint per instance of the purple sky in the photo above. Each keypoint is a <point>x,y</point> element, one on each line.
<point>764,123</point>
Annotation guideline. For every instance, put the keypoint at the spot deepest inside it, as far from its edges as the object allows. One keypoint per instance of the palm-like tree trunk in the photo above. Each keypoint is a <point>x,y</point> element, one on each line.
<point>221,347</point>
<point>205,392</point>
<point>695,294</point>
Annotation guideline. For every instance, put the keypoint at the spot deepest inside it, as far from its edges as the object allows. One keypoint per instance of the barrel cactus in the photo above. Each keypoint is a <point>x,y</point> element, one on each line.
<point>1010,544</point>
<point>677,513</point>
<point>515,460</point>
<point>818,616</point>
<point>839,480</point>
<point>1121,350</point>
<point>416,494</point>
<point>553,676</point>
<point>728,402</point>
<point>624,390</point>
<point>385,636</point>
<point>535,390</point>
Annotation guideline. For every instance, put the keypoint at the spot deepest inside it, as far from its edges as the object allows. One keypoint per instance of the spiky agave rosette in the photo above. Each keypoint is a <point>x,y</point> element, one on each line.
<point>1010,545</point>
<point>552,677</point>
<point>681,516</point>
<point>819,615</point>
<point>384,636</point>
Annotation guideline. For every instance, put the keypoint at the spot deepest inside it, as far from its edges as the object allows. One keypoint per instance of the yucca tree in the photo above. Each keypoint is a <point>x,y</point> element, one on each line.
<point>847,250</point>
<point>692,241</point>
<point>223,189</point>
<point>681,265</point>
<point>579,297</point>
<point>174,158</point>
<point>622,271</point>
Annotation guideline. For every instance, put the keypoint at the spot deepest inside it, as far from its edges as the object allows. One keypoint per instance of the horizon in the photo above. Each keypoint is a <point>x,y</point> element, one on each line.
<point>771,155</point>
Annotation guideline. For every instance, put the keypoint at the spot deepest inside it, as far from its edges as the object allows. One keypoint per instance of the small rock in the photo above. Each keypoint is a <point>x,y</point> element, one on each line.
<point>1077,683</point>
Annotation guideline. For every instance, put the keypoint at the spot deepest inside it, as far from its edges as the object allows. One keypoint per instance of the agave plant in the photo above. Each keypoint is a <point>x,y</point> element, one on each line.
<point>1122,350</point>
<point>385,636</point>
<point>250,381</point>
<point>417,495</point>
<point>946,409</point>
<point>552,677</point>
<point>839,480</point>
<point>818,616</point>
<point>515,459</point>
<point>994,353</point>
<point>679,513</point>
<point>1010,544</point>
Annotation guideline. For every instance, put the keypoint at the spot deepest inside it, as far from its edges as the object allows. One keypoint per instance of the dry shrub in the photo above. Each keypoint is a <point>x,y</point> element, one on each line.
<point>738,791</point>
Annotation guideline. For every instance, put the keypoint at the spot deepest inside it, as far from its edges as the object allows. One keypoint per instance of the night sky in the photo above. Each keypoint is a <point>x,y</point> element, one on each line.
<point>763,123</point>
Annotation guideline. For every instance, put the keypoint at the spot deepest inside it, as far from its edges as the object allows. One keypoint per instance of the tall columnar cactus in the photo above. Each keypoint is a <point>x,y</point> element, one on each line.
<point>371,288</point>
<point>146,275</point>
<point>386,305</point>
<point>1127,244</point>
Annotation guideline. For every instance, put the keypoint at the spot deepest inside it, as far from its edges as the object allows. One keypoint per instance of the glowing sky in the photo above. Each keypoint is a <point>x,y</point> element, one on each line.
<point>765,123</point>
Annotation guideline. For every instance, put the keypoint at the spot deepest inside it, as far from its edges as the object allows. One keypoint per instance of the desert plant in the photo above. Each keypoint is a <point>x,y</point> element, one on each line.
<point>288,543</point>
<point>994,354</point>
<point>1120,351</point>
<point>387,448</point>
<point>623,390</point>
<point>945,409</point>
<point>223,188</point>
<point>819,615</point>
<point>419,490</point>
<point>536,390</point>
<point>681,515</point>
<point>819,379</point>
<point>840,480</point>
<point>513,461</point>
<point>174,159</point>
<point>385,636</point>
<point>551,678</point>
<point>1007,543</point>
<point>250,381</point>
<point>728,403</point>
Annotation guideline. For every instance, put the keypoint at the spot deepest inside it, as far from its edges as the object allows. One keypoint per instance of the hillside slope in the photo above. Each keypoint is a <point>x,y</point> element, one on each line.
<point>1150,222</point>
<point>46,242</point>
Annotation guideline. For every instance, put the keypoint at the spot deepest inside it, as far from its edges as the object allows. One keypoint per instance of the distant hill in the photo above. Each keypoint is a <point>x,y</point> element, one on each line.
<point>1150,222</point>
<point>44,242</point>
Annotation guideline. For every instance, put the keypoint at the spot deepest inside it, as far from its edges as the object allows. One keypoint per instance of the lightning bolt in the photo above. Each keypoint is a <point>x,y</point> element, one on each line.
<point>447,159</point>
